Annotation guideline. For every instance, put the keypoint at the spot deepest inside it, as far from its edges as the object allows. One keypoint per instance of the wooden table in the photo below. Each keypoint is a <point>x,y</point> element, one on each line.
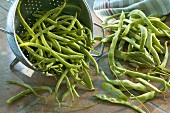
<point>32,104</point>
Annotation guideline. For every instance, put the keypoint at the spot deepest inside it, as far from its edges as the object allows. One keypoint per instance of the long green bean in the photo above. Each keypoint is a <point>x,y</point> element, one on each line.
<point>52,52</point>
<point>27,91</point>
<point>118,101</point>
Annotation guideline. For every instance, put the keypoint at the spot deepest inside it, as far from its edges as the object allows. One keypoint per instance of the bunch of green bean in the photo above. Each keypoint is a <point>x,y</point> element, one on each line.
<point>59,44</point>
<point>136,38</point>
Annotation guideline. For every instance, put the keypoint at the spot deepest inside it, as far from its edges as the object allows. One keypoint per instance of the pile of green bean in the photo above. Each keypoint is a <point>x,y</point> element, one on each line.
<point>59,44</point>
<point>140,41</point>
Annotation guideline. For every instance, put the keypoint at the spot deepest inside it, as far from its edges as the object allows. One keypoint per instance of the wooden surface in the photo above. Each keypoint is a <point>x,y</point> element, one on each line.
<point>32,104</point>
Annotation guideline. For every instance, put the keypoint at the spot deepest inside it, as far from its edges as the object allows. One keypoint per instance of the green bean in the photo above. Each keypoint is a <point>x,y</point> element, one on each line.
<point>156,41</point>
<point>67,92</point>
<point>88,80</point>
<point>163,18</point>
<point>74,40</point>
<point>134,35</point>
<point>154,15</point>
<point>126,83</point>
<point>118,101</point>
<point>56,44</point>
<point>146,83</point>
<point>74,90</point>
<point>130,26</point>
<point>40,58</point>
<point>63,39</point>
<point>59,82</point>
<point>114,40</point>
<point>111,17</point>
<point>145,96</point>
<point>141,75</point>
<point>24,85</point>
<point>63,17</point>
<point>39,50</point>
<point>73,36</point>
<point>165,60</point>
<point>72,22</point>
<point>108,38</point>
<point>57,66</point>
<point>69,88</point>
<point>152,50</point>
<point>48,66</point>
<point>27,91</point>
<point>131,42</point>
<point>158,49</point>
<point>31,51</point>
<point>68,50</point>
<point>121,45</point>
<point>52,11</point>
<point>143,36</point>
<point>91,58</point>
<point>117,21</point>
<point>114,26</point>
<point>114,91</point>
<point>131,47</point>
<point>58,11</point>
<point>147,21</point>
<point>26,26</point>
<point>65,31</point>
<point>85,65</point>
<point>166,33</point>
<point>77,79</point>
<point>52,52</point>
<point>88,37</point>
<point>47,19</point>
<point>160,24</point>
<point>43,38</point>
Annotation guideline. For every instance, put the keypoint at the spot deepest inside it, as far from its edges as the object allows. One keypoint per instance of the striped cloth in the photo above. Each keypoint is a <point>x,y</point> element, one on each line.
<point>104,8</point>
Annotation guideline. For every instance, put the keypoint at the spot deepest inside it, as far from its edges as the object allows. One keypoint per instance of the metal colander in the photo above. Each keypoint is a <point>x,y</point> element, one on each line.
<point>30,6</point>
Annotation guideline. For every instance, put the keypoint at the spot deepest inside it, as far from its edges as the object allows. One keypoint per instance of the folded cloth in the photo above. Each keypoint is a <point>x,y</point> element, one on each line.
<point>104,8</point>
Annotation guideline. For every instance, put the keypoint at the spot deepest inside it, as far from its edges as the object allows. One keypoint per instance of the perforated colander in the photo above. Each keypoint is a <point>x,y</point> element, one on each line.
<point>30,6</point>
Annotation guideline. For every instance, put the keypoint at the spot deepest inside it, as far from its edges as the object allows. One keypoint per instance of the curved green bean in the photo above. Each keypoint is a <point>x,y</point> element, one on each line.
<point>118,101</point>
<point>114,91</point>
<point>52,52</point>
<point>145,96</point>
<point>27,91</point>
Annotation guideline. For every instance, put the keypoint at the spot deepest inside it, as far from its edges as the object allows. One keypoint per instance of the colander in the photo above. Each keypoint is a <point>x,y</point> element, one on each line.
<point>27,8</point>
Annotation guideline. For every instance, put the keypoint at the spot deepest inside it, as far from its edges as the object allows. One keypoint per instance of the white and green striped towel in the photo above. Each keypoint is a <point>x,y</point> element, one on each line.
<point>104,8</point>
